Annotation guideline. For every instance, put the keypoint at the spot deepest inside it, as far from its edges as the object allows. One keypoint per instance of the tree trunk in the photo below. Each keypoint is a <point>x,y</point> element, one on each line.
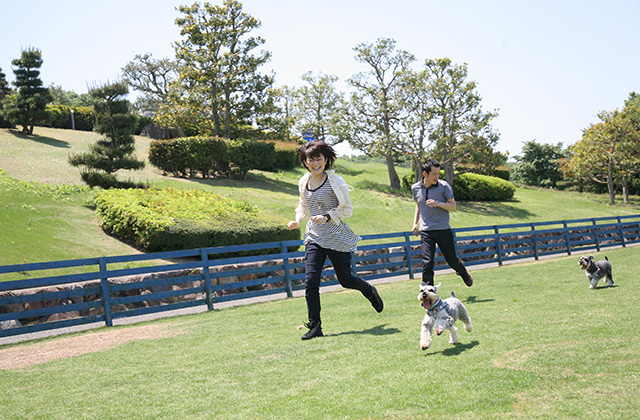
<point>448,172</point>
<point>612,193</point>
<point>417,168</point>
<point>625,190</point>
<point>394,180</point>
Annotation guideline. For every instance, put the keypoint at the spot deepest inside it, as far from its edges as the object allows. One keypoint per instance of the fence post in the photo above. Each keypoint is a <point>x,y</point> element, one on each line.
<point>407,247</point>
<point>106,294</point>
<point>624,245</point>
<point>287,274</point>
<point>566,237</point>
<point>207,278</point>
<point>595,234</point>
<point>496,229</point>
<point>534,241</point>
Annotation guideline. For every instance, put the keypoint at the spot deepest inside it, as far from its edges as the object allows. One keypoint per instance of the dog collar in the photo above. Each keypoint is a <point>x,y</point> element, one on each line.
<point>437,307</point>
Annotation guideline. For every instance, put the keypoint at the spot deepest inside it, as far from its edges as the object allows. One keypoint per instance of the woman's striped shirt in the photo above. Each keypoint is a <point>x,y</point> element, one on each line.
<point>327,235</point>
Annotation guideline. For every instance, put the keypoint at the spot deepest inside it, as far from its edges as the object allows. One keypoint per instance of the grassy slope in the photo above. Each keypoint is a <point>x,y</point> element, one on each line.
<point>41,229</point>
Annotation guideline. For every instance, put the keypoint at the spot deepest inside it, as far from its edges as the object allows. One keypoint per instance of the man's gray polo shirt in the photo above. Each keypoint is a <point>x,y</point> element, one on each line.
<point>432,218</point>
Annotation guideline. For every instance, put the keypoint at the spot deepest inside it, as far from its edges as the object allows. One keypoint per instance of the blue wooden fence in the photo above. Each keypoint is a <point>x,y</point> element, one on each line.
<point>102,289</point>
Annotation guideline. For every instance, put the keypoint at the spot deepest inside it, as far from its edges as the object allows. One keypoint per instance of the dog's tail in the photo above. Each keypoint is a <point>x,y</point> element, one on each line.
<point>605,257</point>
<point>453,294</point>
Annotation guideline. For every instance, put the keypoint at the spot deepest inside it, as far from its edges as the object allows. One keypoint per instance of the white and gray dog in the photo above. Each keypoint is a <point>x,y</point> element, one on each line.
<point>441,314</point>
<point>596,270</point>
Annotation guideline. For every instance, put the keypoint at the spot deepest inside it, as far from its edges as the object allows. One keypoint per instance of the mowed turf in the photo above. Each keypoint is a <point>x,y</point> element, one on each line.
<point>544,346</point>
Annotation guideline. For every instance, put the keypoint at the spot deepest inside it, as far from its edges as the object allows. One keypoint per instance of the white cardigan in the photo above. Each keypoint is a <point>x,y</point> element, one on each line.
<point>341,190</point>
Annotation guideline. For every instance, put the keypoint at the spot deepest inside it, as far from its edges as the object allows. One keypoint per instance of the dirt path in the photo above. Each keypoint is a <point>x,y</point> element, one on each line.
<point>37,353</point>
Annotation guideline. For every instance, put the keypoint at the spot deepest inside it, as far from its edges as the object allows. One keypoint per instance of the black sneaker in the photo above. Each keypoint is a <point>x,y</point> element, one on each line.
<point>315,330</point>
<point>468,280</point>
<point>375,300</point>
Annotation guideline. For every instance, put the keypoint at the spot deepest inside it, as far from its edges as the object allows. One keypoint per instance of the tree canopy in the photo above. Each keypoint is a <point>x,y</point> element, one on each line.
<point>116,149</point>
<point>26,105</point>
<point>218,87</point>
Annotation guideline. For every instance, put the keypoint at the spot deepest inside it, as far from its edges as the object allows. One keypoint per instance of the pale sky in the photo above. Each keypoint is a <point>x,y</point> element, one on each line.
<point>547,66</point>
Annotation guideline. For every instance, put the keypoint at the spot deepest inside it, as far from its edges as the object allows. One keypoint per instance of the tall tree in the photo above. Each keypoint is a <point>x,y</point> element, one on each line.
<point>316,107</point>
<point>461,121</point>
<point>219,85</point>
<point>609,151</point>
<point>26,106</point>
<point>417,100</point>
<point>151,77</point>
<point>374,113</point>
<point>539,164</point>
<point>280,120</point>
<point>116,149</point>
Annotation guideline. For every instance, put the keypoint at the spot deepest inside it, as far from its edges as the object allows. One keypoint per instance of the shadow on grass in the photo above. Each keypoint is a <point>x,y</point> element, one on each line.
<point>253,180</point>
<point>341,170</point>
<point>496,209</point>
<point>40,139</point>
<point>379,330</point>
<point>474,299</point>
<point>456,349</point>
<point>601,288</point>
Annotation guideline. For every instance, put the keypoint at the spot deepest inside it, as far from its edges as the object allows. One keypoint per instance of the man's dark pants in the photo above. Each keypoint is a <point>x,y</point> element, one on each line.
<point>444,240</point>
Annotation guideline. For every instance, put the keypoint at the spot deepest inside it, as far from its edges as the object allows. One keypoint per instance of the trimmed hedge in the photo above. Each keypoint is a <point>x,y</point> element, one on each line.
<point>473,187</point>
<point>203,156</point>
<point>60,117</point>
<point>171,219</point>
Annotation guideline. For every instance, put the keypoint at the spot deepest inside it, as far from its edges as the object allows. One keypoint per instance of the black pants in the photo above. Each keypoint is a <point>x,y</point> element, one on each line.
<point>315,257</point>
<point>444,240</point>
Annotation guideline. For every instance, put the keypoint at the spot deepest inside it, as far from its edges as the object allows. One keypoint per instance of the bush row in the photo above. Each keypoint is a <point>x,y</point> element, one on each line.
<point>172,219</point>
<point>189,157</point>
<point>60,117</point>
<point>84,118</point>
<point>476,187</point>
<point>473,187</point>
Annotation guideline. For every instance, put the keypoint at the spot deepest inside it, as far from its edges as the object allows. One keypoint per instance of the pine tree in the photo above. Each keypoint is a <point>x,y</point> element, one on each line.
<point>5,90</point>
<point>116,149</point>
<point>26,106</point>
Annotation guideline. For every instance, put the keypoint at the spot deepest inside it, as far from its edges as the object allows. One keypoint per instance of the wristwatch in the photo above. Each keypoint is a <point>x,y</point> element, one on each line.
<point>327,216</point>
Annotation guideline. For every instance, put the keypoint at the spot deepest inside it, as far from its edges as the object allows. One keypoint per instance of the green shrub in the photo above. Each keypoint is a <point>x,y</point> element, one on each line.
<point>234,229</point>
<point>245,155</point>
<point>107,181</point>
<point>186,156</point>
<point>285,156</point>
<point>475,187</point>
<point>503,172</point>
<point>60,117</point>
<point>171,219</point>
<point>407,181</point>
<point>190,156</point>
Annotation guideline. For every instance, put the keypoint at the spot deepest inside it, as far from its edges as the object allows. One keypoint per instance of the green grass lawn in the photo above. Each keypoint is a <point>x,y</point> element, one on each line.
<point>42,158</point>
<point>544,346</point>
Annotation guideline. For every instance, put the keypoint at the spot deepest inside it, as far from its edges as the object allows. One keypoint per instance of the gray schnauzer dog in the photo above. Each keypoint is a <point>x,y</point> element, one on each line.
<point>441,314</point>
<point>596,270</point>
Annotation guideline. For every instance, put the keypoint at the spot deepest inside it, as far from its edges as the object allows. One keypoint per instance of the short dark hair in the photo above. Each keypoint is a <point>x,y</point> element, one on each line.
<point>430,163</point>
<point>316,148</point>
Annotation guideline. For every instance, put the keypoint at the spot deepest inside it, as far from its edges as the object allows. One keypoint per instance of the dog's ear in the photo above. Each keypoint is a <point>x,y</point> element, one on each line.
<point>592,258</point>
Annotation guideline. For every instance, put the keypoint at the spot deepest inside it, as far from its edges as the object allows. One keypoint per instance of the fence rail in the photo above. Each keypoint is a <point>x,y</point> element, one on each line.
<point>90,290</point>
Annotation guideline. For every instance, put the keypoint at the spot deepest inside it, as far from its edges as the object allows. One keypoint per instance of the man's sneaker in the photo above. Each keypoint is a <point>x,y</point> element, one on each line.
<point>315,330</point>
<point>468,280</point>
<point>375,300</point>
